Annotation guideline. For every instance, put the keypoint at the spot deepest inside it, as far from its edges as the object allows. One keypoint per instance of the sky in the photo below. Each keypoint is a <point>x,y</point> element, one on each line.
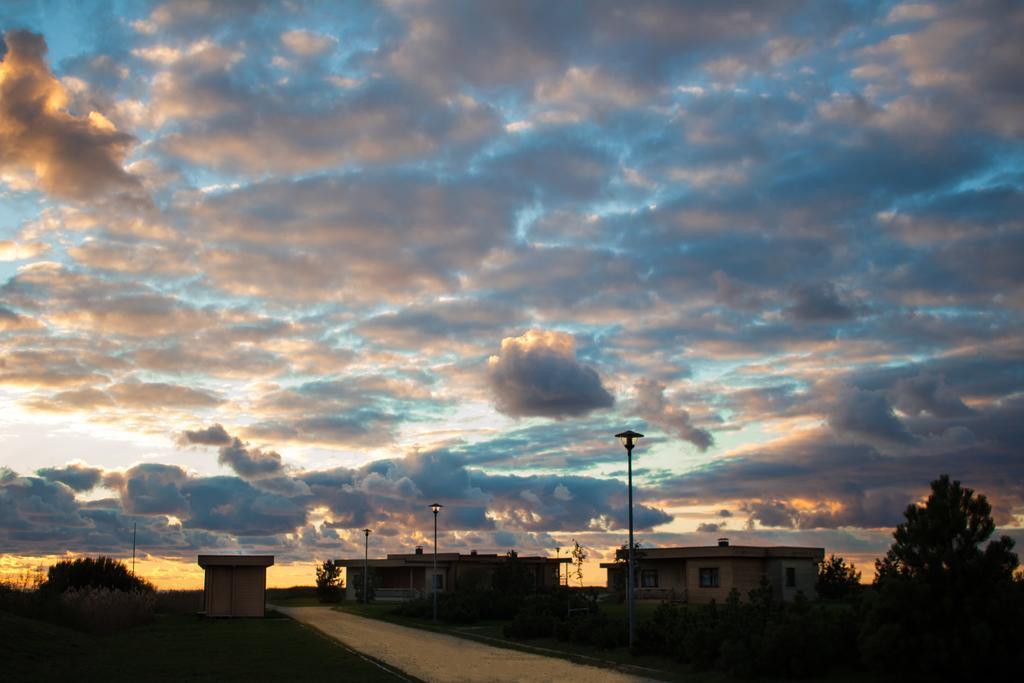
<point>274,272</point>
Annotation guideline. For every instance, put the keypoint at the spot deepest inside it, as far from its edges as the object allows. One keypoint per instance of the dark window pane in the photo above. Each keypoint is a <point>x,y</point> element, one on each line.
<point>708,577</point>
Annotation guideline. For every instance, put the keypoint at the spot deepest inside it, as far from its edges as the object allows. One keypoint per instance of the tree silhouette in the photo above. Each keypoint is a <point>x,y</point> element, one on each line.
<point>945,605</point>
<point>940,542</point>
<point>86,572</point>
<point>328,581</point>
<point>579,556</point>
<point>836,578</point>
<point>512,577</point>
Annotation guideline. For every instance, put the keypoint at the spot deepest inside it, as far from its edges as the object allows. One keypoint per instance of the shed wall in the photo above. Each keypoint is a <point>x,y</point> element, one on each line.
<point>235,591</point>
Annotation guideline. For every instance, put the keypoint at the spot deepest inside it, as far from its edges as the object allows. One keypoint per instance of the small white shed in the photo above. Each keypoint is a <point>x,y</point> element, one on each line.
<point>235,585</point>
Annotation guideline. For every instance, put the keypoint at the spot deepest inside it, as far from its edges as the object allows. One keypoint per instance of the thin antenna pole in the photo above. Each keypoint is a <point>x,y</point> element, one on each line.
<point>135,527</point>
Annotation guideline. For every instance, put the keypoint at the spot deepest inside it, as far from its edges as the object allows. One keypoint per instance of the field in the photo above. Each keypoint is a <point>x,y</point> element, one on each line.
<point>177,647</point>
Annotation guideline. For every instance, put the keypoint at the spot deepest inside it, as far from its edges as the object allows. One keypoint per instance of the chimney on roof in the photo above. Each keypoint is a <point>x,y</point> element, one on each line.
<point>472,553</point>
<point>419,550</point>
<point>723,543</point>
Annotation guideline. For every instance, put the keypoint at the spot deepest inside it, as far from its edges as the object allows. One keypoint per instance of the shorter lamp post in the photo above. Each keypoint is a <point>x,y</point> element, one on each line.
<point>436,507</point>
<point>629,440</point>
<point>558,566</point>
<point>366,565</point>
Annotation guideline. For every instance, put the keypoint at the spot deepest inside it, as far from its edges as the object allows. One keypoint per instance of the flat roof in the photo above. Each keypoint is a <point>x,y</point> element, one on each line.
<point>427,559</point>
<point>236,560</point>
<point>712,551</point>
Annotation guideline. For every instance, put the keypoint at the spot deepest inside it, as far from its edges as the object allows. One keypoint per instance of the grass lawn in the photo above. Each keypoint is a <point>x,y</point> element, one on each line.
<point>177,647</point>
<point>296,596</point>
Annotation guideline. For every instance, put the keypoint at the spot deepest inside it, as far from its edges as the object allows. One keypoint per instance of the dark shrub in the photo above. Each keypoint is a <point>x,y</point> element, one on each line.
<point>497,605</point>
<point>530,625</point>
<point>462,607</point>
<point>18,600</point>
<point>594,628</point>
<point>537,617</point>
<point>756,637</point>
<point>420,608</point>
<point>86,572</point>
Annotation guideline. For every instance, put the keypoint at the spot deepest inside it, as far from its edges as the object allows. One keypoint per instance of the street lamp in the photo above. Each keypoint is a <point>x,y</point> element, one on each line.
<point>366,564</point>
<point>436,507</point>
<point>629,439</point>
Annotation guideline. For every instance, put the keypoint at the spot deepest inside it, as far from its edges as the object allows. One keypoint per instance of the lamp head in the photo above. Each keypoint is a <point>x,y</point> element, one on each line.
<point>367,531</point>
<point>436,507</point>
<point>629,438</point>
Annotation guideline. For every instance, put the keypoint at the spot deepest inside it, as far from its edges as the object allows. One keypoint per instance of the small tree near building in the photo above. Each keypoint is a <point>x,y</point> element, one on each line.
<point>621,572</point>
<point>837,579</point>
<point>579,556</point>
<point>328,582</point>
<point>512,577</point>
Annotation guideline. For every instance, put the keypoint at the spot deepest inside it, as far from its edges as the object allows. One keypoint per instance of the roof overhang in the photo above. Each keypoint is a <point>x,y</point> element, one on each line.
<point>236,560</point>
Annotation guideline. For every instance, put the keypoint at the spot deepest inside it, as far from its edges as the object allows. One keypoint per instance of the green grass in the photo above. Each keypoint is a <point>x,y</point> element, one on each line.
<point>296,596</point>
<point>177,647</point>
<point>298,602</point>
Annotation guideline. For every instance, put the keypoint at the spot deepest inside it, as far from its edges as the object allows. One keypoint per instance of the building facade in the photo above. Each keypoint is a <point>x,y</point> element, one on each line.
<point>404,576</point>
<point>703,574</point>
<point>235,585</point>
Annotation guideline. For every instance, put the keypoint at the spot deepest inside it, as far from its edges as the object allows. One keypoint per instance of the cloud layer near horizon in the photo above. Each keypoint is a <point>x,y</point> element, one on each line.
<point>273,273</point>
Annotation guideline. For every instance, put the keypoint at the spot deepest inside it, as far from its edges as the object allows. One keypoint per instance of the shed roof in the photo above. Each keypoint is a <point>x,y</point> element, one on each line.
<point>235,560</point>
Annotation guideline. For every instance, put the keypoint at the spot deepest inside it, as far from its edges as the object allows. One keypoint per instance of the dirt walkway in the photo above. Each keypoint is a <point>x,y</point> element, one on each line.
<point>438,657</point>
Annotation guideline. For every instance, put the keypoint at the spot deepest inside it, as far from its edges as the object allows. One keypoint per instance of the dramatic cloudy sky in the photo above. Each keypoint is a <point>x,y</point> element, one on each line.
<point>274,272</point>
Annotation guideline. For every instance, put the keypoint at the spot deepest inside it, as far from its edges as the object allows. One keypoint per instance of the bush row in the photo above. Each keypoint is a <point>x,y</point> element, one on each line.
<point>96,610</point>
<point>757,637</point>
<point>464,607</point>
<point>98,595</point>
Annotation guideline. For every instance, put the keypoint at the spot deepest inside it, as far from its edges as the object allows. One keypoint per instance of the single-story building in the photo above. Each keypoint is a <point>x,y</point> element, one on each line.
<point>235,585</point>
<point>703,574</point>
<point>404,576</point>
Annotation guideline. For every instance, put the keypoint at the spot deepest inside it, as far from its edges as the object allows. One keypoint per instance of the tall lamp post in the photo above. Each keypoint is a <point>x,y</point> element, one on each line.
<point>629,440</point>
<point>366,564</point>
<point>436,507</point>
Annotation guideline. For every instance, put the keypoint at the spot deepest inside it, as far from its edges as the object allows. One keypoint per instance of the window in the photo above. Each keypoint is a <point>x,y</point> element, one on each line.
<point>439,582</point>
<point>790,577</point>
<point>709,577</point>
<point>649,578</point>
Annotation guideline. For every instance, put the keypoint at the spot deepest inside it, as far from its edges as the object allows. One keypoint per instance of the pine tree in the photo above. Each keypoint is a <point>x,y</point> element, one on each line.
<point>837,578</point>
<point>946,606</point>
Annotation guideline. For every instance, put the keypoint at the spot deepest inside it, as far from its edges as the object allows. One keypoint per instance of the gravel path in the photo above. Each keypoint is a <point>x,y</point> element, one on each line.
<point>438,657</point>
